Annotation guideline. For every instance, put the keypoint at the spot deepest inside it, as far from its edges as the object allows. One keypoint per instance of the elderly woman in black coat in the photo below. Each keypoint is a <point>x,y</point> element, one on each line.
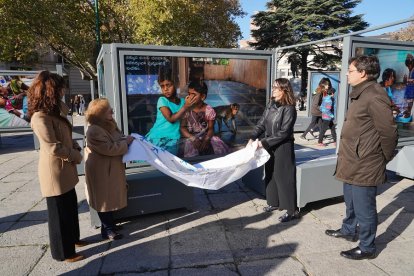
<point>277,125</point>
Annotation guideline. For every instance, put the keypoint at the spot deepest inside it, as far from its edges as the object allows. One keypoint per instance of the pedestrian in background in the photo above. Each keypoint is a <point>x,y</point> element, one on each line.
<point>328,115</point>
<point>277,125</point>
<point>106,187</point>
<point>76,102</point>
<point>368,140</point>
<point>58,157</point>
<point>315,109</point>
<point>81,105</point>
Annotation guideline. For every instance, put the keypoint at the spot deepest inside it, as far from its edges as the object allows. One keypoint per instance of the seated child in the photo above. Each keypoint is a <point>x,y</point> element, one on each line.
<point>197,126</point>
<point>166,130</point>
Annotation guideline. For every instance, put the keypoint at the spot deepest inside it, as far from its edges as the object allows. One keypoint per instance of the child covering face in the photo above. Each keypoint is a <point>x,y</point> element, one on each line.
<point>197,126</point>
<point>170,109</point>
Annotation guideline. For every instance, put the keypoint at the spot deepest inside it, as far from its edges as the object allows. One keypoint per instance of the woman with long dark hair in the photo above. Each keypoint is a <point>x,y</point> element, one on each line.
<point>277,125</point>
<point>58,156</point>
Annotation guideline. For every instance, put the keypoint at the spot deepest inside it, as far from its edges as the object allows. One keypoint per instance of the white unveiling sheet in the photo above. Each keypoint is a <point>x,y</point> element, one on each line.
<point>212,174</point>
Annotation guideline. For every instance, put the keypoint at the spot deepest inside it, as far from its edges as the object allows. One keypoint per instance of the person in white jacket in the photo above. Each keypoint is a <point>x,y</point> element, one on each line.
<point>81,105</point>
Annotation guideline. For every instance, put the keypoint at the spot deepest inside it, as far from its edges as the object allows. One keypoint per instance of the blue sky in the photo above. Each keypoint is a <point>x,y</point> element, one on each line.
<point>376,12</point>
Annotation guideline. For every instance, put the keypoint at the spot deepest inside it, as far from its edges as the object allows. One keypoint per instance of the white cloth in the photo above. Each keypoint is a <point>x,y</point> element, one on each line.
<point>213,174</point>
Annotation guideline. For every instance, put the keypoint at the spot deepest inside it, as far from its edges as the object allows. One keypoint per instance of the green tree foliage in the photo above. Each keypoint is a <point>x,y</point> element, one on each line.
<point>202,23</point>
<point>68,27</point>
<point>289,22</point>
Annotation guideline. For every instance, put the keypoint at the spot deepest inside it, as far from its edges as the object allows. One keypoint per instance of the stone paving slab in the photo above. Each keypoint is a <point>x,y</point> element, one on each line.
<point>20,260</point>
<point>137,255</point>
<point>394,258</point>
<point>195,247</point>
<point>331,263</point>
<point>26,233</point>
<point>277,266</point>
<point>89,266</point>
<point>225,269</point>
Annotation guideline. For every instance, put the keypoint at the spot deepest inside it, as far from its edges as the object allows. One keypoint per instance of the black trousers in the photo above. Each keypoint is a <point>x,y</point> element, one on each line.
<point>63,224</point>
<point>107,221</point>
<point>325,125</point>
<point>280,178</point>
<point>315,122</point>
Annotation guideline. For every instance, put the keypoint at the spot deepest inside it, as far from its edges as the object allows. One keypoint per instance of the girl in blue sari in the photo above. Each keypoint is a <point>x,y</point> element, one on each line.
<point>170,109</point>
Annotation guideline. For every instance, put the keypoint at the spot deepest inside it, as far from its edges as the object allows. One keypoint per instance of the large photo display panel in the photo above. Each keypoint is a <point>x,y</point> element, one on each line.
<point>235,101</point>
<point>397,78</point>
<point>13,100</point>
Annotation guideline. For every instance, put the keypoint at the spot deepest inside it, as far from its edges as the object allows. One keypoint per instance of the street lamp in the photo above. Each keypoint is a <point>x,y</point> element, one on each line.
<point>97,29</point>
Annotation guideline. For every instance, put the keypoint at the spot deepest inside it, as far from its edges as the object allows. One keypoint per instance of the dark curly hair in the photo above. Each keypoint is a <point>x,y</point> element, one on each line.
<point>369,64</point>
<point>199,86</point>
<point>45,93</point>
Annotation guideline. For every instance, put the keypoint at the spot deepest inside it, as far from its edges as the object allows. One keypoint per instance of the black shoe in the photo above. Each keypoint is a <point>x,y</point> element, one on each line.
<point>111,235</point>
<point>270,208</point>
<point>286,217</point>
<point>357,254</point>
<point>338,234</point>
<point>311,133</point>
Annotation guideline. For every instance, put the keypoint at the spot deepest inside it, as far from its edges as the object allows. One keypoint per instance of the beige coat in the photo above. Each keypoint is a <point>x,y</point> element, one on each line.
<point>58,155</point>
<point>106,188</point>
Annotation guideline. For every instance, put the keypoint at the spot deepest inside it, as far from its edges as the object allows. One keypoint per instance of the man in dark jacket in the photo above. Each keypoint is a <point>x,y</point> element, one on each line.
<point>367,143</point>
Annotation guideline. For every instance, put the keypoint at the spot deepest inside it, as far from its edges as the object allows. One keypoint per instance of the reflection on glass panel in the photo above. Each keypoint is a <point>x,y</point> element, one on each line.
<point>101,76</point>
<point>13,101</point>
<point>228,97</point>
<point>397,78</point>
<point>316,77</point>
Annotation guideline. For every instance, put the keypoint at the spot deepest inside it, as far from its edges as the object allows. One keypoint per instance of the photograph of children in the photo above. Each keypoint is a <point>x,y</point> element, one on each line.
<point>236,95</point>
<point>13,101</point>
<point>397,78</point>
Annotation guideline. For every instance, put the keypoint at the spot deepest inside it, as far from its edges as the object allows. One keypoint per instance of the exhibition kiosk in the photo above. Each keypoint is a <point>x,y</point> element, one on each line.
<point>128,78</point>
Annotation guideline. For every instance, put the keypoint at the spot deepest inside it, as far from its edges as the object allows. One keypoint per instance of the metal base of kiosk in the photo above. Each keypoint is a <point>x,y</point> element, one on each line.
<point>151,191</point>
<point>403,163</point>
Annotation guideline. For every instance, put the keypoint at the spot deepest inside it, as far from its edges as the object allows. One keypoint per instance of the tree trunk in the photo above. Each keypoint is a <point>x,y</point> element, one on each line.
<point>304,77</point>
<point>304,71</point>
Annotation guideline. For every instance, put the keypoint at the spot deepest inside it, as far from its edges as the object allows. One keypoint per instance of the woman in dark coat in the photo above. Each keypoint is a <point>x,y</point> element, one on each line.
<point>277,125</point>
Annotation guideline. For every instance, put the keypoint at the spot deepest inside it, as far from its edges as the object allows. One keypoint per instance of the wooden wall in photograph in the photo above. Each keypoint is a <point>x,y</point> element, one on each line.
<point>250,72</point>
<point>217,72</point>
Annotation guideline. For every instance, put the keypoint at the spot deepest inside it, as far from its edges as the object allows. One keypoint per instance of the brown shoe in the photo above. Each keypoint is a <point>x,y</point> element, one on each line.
<point>81,243</point>
<point>74,258</point>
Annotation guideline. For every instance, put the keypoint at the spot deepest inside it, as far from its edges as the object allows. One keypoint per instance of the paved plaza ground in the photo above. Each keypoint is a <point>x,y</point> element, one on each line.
<point>225,234</point>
